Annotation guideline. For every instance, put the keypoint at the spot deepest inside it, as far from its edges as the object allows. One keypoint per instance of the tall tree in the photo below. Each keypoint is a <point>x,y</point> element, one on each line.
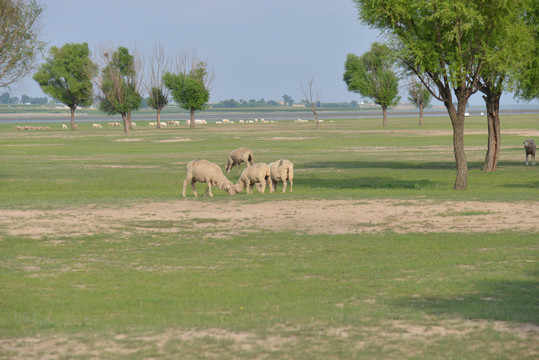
<point>159,64</point>
<point>118,85</point>
<point>312,98</point>
<point>190,86</point>
<point>419,95</point>
<point>67,76</point>
<point>19,39</point>
<point>373,76</point>
<point>449,45</point>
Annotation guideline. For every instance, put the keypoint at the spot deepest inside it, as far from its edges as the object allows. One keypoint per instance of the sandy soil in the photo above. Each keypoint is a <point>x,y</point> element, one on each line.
<point>305,216</point>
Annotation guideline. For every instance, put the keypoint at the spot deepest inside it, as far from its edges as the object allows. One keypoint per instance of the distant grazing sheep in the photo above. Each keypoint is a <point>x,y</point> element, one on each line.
<point>238,156</point>
<point>208,172</point>
<point>259,173</point>
<point>64,126</point>
<point>529,147</point>
<point>281,171</point>
<point>97,126</point>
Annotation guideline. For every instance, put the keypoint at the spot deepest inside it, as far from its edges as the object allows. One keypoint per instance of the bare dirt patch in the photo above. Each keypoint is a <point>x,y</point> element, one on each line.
<point>302,216</point>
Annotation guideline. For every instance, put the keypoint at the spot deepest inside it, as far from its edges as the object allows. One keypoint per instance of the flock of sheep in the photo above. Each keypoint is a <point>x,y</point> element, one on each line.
<point>259,174</point>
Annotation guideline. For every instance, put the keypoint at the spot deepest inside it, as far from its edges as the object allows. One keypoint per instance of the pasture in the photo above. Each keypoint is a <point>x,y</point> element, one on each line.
<point>372,256</point>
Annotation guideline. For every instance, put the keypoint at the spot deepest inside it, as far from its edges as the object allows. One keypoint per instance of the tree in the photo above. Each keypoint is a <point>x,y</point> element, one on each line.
<point>287,100</point>
<point>118,85</point>
<point>190,86</point>
<point>157,91</point>
<point>67,76</point>
<point>526,78</point>
<point>19,39</point>
<point>419,95</point>
<point>449,45</point>
<point>312,98</point>
<point>372,75</point>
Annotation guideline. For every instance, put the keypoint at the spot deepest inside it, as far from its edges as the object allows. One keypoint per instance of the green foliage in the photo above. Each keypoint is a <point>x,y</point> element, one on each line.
<point>67,75</point>
<point>157,99</point>
<point>120,95</point>
<point>372,75</point>
<point>20,42</point>
<point>419,95</point>
<point>188,90</point>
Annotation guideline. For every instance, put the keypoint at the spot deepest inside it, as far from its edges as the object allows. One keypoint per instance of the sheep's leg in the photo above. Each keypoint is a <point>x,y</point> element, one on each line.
<point>291,183</point>
<point>284,185</point>
<point>208,188</point>
<point>527,159</point>
<point>248,186</point>
<point>185,186</point>
<point>193,187</point>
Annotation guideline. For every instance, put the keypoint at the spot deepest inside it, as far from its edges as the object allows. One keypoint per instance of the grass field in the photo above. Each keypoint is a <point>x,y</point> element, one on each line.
<point>373,255</point>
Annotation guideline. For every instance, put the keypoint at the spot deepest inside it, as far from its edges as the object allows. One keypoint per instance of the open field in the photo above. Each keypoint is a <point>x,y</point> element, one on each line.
<point>372,256</point>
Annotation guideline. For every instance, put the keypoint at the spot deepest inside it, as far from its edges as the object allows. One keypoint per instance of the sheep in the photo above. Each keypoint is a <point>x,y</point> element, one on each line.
<point>259,173</point>
<point>226,121</point>
<point>64,126</point>
<point>208,172</point>
<point>97,126</point>
<point>529,147</point>
<point>281,171</point>
<point>200,121</point>
<point>176,123</point>
<point>239,156</point>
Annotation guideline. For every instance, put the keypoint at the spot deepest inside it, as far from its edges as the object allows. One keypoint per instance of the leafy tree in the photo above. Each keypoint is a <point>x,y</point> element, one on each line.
<point>118,85</point>
<point>19,39</point>
<point>287,100</point>
<point>526,78</point>
<point>449,45</point>
<point>372,75</point>
<point>420,96</point>
<point>188,89</point>
<point>67,76</point>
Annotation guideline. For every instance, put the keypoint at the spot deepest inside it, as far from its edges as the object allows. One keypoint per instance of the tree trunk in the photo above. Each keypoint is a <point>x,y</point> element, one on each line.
<point>420,115</point>
<point>192,124</point>
<point>72,118</point>
<point>316,118</point>
<point>492,102</point>
<point>126,123</point>
<point>457,120</point>
<point>129,120</point>
<point>159,118</point>
<point>384,111</point>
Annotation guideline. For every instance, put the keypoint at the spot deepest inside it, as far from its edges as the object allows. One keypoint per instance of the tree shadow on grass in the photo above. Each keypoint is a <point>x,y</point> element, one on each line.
<point>366,183</point>
<point>377,165</point>
<point>499,300</point>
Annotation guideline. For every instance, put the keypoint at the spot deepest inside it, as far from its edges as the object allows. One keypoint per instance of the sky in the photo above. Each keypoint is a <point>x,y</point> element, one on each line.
<point>256,48</point>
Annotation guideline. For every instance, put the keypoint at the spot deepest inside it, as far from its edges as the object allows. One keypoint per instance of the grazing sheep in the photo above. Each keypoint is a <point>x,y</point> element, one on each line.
<point>281,171</point>
<point>97,126</point>
<point>238,156</point>
<point>529,146</point>
<point>64,126</point>
<point>208,172</point>
<point>226,121</point>
<point>259,174</point>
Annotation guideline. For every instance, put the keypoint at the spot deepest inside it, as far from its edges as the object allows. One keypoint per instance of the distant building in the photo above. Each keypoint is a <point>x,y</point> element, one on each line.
<point>298,105</point>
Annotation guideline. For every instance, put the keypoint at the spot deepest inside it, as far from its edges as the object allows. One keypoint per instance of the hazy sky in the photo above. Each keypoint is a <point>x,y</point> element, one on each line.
<point>257,48</point>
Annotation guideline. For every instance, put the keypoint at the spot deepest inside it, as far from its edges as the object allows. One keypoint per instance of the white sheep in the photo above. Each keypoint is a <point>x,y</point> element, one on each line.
<point>64,126</point>
<point>208,172</point>
<point>226,121</point>
<point>259,173</point>
<point>281,171</point>
<point>238,156</point>
<point>97,126</point>
<point>530,148</point>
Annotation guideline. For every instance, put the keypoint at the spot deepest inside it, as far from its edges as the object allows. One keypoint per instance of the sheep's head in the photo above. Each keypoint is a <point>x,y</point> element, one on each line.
<point>230,189</point>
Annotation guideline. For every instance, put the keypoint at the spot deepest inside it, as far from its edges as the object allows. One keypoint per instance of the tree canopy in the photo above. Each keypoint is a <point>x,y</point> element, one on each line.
<point>188,89</point>
<point>19,39</point>
<point>67,76</point>
<point>118,85</point>
<point>372,75</point>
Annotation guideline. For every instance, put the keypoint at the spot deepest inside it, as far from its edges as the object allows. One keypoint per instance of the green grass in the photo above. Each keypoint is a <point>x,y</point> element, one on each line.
<point>190,293</point>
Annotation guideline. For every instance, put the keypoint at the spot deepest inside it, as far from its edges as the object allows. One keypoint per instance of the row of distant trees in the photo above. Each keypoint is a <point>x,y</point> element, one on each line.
<point>6,98</point>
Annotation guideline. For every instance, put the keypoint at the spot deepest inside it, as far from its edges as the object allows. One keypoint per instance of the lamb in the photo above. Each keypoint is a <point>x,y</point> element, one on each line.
<point>238,156</point>
<point>281,171</point>
<point>259,174</point>
<point>208,172</point>
<point>529,147</point>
